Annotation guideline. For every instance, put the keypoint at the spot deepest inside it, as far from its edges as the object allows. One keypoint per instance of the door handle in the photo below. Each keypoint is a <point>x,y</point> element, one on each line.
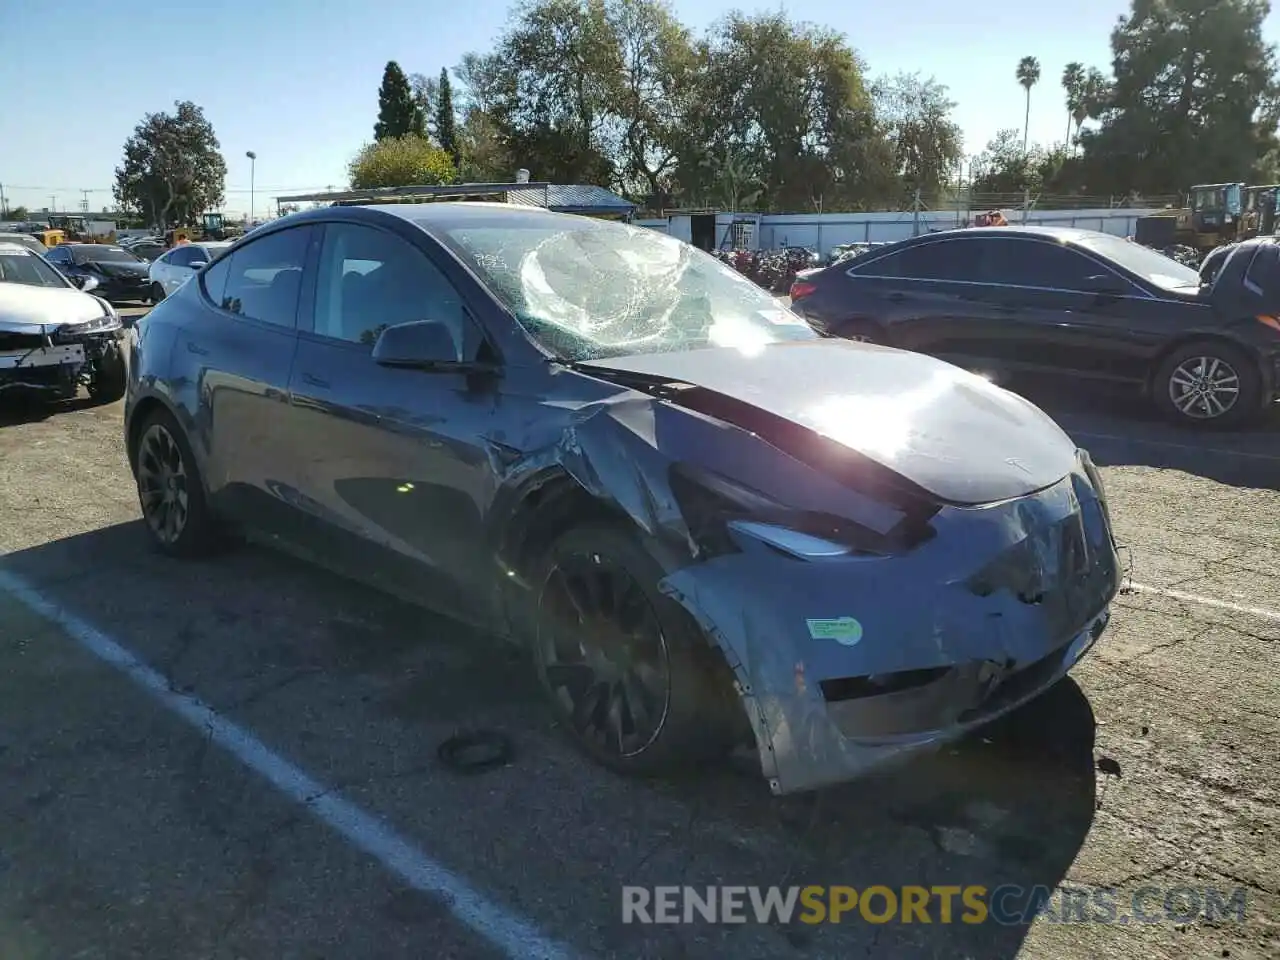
<point>197,350</point>
<point>312,380</point>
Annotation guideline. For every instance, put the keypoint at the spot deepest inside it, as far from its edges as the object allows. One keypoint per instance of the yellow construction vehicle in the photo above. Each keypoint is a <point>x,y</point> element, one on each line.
<point>1259,216</point>
<point>1212,217</point>
<point>77,230</point>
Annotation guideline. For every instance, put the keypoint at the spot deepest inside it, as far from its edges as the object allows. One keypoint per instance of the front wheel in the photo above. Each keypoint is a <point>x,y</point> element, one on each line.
<point>627,670</point>
<point>1208,384</point>
<point>109,376</point>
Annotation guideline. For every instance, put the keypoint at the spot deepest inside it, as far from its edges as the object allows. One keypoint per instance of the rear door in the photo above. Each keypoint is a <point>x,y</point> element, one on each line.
<point>174,269</point>
<point>926,295</point>
<point>240,352</point>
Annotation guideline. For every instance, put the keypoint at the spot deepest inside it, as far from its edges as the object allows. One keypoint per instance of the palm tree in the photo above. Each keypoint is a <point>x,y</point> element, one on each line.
<point>1093,94</point>
<point>1028,76</point>
<point>1073,83</point>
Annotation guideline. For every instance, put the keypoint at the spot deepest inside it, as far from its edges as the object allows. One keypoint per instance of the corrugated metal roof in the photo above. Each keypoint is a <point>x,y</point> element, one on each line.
<point>571,197</point>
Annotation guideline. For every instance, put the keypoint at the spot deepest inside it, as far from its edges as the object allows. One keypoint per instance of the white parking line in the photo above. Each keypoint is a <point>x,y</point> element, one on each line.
<point>1262,613</point>
<point>1174,446</point>
<point>518,938</point>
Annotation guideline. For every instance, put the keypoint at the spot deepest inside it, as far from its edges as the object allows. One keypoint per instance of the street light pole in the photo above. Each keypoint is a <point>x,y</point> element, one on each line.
<point>253,162</point>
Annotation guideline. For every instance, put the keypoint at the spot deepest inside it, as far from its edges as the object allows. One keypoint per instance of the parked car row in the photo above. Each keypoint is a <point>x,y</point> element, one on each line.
<point>1065,302</point>
<point>772,269</point>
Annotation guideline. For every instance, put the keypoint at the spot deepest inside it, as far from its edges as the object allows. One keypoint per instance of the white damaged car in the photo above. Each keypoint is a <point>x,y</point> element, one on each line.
<point>55,336</point>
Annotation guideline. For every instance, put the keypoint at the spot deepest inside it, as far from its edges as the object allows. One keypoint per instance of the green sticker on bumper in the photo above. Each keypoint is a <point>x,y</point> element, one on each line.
<point>843,630</point>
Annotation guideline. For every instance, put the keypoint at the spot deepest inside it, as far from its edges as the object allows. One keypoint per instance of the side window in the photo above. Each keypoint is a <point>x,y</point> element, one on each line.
<point>180,257</point>
<point>215,280</point>
<point>370,280</point>
<point>59,256</point>
<point>1037,263</point>
<point>264,278</point>
<point>959,259</point>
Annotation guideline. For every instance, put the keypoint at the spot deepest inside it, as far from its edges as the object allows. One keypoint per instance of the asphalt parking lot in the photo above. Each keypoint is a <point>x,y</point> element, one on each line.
<point>305,813</point>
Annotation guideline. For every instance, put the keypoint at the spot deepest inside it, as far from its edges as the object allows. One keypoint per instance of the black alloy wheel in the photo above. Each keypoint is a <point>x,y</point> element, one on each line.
<point>627,671</point>
<point>170,490</point>
<point>604,656</point>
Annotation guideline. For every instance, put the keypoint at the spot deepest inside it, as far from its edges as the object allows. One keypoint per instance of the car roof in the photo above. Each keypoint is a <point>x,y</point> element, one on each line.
<point>1061,234</point>
<point>9,246</point>
<point>455,214</point>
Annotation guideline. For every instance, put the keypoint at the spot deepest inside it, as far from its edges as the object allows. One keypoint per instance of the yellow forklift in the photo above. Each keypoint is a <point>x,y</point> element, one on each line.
<point>1213,215</point>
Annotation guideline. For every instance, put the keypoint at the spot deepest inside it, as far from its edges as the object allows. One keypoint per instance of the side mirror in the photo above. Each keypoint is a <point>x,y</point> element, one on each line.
<point>425,345</point>
<point>1105,285</point>
<point>85,283</point>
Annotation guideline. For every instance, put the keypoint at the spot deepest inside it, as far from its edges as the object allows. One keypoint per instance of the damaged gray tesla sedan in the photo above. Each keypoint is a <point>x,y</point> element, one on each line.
<point>706,524</point>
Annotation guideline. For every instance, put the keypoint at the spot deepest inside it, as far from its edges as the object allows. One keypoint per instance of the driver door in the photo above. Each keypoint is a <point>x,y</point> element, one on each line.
<point>391,477</point>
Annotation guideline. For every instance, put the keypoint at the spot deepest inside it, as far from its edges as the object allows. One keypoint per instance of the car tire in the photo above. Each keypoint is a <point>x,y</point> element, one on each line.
<point>157,293</point>
<point>1215,367</point>
<point>109,376</point>
<point>163,453</point>
<point>687,698</point>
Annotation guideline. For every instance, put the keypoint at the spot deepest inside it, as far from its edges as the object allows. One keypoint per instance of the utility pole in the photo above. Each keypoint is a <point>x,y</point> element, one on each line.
<point>84,201</point>
<point>53,203</point>
<point>915,215</point>
<point>4,204</point>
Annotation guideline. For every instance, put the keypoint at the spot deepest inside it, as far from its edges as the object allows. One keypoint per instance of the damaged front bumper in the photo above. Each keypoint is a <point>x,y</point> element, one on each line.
<point>53,364</point>
<point>846,663</point>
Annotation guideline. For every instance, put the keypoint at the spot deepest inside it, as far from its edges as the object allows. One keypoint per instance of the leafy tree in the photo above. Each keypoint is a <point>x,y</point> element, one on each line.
<point>172,170</point>
<point>406,161</point>
<point>19,213</point>
<point>1028,74</point>
<point>483,155</point>
<point>1194,98</point>
<point>398,113</point>
<point>788,102</point>
<point>446,129</point>
<point>548,89</point>
<point>1073,85</point>
<point>915,116</point>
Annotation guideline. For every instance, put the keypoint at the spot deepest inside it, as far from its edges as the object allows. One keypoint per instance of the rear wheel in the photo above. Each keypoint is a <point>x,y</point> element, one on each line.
<point>627,670</point>
<point>157,293</point>
<point>170,490</point>
<point>1208,384</point>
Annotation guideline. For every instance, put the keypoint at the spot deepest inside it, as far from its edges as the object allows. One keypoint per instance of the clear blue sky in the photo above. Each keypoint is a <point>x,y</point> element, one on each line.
<point>296,80</point>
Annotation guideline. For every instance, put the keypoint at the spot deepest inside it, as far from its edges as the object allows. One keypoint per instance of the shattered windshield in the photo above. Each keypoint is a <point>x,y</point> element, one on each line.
<point>595,289</point>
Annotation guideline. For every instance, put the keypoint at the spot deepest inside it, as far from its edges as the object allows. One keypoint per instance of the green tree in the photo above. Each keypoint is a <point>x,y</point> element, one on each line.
<point>1073,85</point>
<point>483,154</point>
<point>446,128</point>
<point>789,103</point>
<point>19,213</point>
<point>398,113</point>
<point>915,116</point>
<point>406,161</point>
<point>173,169</point>
<point>1194,98</point>
<point>1028,74</point>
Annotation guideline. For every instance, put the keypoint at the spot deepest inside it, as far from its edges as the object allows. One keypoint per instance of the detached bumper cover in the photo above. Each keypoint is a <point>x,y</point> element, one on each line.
<point>928,645</point>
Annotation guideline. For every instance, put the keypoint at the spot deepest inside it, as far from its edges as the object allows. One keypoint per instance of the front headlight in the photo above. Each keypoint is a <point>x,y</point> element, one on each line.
<point>717,511</point>
<point>802,545</point>
<point>101,324</point>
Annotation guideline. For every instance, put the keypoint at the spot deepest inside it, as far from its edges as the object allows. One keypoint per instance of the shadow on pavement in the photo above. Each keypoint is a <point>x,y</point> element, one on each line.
<point>20,407</point>
<point>1011,805</point>
<point>1119,428</point>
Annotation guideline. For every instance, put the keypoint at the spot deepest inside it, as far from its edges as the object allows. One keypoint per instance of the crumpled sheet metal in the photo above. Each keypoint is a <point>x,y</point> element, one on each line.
<point>917,611</point>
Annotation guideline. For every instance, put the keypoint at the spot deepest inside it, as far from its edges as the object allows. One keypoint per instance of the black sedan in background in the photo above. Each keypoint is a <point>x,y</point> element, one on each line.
<point>704,522</point>
<point>1059,301</point>
<point>119,274</point>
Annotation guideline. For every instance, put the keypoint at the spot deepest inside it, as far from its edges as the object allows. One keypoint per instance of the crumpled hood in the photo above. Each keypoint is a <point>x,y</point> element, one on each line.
<point>947,431</point>
<point>24,308</point>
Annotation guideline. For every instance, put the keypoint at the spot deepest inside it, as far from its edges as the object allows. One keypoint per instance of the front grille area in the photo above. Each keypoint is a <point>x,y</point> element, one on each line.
<point>12,342</point>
